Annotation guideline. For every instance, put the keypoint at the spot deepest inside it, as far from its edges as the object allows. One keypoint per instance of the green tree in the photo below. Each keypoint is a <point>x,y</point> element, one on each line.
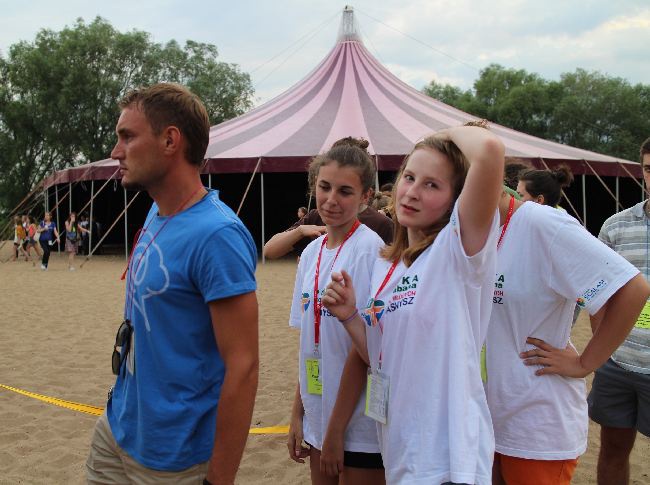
<point>584,109</point>
<point>58,95</point>
<point>601,113</point>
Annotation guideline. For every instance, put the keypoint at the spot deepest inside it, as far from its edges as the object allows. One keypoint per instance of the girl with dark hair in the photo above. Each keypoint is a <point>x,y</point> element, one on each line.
<point>341,181</point>
<point>47,236</point>
<point>545,262</point>
<point>544,186</point>
<point>427,311</point>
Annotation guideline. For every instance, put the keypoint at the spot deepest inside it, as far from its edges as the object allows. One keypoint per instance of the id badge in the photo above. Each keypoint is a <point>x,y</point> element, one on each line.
<point>314,382</point>
<point>644,318</point>
<point>377,396</point>
<point>483,364</point>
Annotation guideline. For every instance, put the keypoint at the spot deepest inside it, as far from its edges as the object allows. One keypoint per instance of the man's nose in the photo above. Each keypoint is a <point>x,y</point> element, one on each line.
<point>116,152</point>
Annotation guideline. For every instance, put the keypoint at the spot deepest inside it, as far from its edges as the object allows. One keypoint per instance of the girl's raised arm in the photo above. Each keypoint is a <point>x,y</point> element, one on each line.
<point>483,186</point>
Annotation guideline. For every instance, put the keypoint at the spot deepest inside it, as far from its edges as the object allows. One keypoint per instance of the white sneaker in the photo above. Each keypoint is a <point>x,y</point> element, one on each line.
<point>71,268</point>
<point>43,267</point>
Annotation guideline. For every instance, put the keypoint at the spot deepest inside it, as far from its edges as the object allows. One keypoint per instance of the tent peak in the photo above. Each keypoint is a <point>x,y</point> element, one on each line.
<point>348,30</point>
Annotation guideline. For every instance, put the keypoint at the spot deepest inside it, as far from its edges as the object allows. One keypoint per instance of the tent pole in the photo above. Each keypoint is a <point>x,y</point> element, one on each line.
<point>262,197</point>
<point>126,229</point>
<point>99,191</point>
<point>259,161</point>
<point>209,180</point>
<point>584,200</point>
<point>58,222</point>
<point>92,227</point>
<point>376,174</point>
<point>47,200</point>
<point>615,197</point>
<point>617,194</point>
<point>99,243</point>
<point>642,189</point>
<point>70,197</point>
<point>25,210</point>
<point>35,193</point>
<point>640,184</point>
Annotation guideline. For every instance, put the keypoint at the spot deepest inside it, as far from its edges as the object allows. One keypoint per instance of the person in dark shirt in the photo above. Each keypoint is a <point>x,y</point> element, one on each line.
<point>303,231</point>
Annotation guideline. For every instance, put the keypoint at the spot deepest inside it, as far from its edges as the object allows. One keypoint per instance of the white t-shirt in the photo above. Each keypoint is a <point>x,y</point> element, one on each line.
<point>434,316</point>
<point>357,258</point>
<point>547,260</point>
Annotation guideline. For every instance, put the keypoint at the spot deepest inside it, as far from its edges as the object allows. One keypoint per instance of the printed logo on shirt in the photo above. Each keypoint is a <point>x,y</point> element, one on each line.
<point>580,302</point>
<point>403,294</point>
<point>305,301</point>
<point>590,293</point>
<point>152,276</point>
<point>497,298</point>
<point>373,312</point>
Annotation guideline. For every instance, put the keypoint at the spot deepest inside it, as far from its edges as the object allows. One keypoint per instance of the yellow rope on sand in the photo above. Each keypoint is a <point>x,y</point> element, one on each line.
<point>97,411</point>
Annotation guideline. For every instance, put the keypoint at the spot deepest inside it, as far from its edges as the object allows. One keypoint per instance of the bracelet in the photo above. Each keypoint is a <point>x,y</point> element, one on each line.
<point>346,320</point>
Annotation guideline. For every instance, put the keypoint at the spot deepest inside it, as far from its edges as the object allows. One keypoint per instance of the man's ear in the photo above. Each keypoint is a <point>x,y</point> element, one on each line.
<point>540,199</point>
<point>171,137</point>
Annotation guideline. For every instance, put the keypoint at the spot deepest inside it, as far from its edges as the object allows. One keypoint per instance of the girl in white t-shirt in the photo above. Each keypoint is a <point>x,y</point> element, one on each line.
<point>341,180</point>
<point>428,309</point>
<point>546,260</point>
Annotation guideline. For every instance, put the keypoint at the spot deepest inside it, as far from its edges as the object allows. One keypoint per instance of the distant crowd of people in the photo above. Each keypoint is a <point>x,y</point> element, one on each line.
<point>34,241</point>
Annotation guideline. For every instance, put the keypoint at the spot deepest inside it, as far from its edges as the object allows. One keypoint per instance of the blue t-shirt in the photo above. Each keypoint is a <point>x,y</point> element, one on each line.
<point>163,408</point>
<point>48,232</point>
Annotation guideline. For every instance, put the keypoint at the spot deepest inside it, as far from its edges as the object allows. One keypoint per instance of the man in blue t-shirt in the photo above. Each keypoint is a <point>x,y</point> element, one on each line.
<point>186,356</point>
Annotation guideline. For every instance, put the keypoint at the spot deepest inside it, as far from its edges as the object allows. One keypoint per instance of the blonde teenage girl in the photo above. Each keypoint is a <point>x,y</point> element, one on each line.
<point>427,311</point>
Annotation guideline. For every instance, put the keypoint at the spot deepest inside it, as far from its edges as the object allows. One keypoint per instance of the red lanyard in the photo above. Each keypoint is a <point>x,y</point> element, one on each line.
<point>373,315</point>
<point>511,209</point>
<point>317,303</point>
<point>381,287</point>
<point>129,267</point>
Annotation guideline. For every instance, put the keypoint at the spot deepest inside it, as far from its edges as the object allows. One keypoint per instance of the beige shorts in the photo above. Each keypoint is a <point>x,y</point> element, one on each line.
<point>108,463</point>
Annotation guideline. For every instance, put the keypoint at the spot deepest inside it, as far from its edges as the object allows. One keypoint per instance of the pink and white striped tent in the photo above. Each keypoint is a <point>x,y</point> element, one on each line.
<point>351,94</point>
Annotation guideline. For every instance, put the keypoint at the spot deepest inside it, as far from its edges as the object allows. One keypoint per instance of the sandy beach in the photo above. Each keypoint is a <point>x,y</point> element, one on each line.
<point>57,331</point>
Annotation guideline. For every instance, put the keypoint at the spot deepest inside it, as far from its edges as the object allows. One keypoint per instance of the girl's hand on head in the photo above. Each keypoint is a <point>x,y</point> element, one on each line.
<point>442,134</point>
<point>339,297</point>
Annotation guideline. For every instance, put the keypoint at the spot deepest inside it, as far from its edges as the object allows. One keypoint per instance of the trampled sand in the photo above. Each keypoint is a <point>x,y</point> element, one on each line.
<point>57,330</point>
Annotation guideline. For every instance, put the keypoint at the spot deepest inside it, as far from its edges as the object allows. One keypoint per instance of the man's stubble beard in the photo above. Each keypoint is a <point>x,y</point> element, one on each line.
<point>133,186</point>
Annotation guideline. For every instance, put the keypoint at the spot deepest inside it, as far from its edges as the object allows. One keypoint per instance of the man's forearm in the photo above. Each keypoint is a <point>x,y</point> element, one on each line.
<point>234,415</point>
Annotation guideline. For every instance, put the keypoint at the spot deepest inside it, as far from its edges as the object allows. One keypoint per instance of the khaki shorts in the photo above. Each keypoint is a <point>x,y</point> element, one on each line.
<point>109,464</point>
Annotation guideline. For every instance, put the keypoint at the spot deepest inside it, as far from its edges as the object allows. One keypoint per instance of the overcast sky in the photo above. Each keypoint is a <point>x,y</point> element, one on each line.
<point>279,42</point>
